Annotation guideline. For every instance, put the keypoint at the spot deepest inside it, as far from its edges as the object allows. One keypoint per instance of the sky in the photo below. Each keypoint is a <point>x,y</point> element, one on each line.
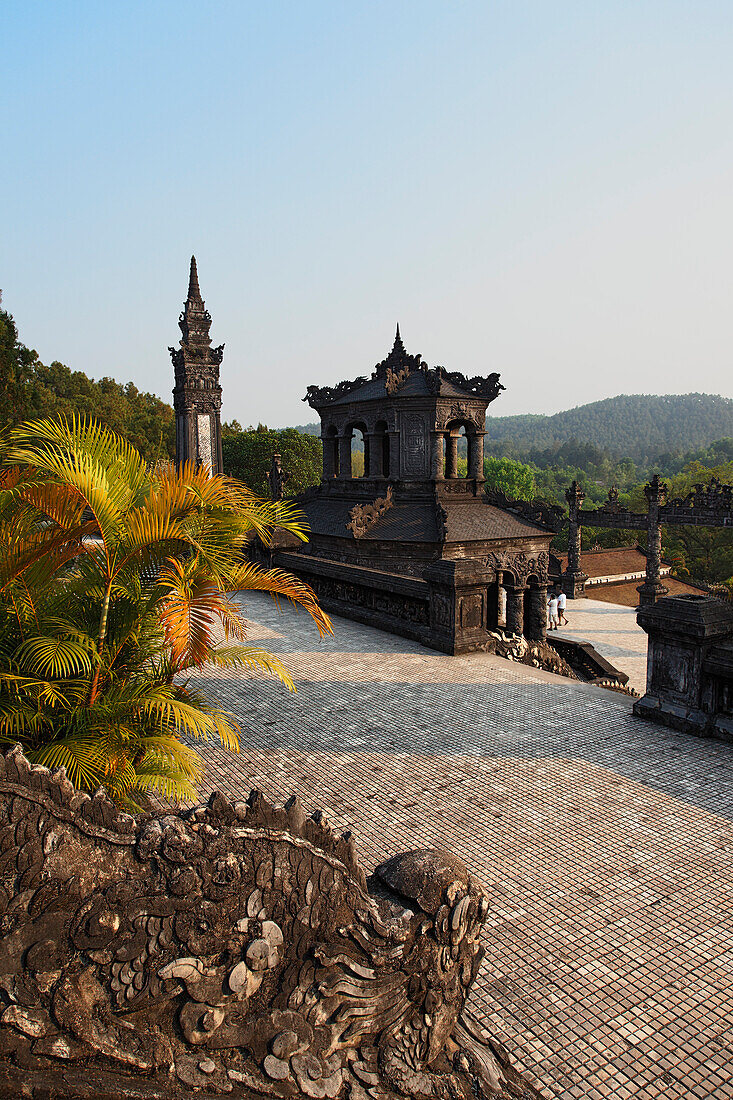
<point>537,188</point>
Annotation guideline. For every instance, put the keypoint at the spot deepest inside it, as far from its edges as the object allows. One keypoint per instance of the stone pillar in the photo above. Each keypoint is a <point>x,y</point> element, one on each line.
<point>652,589</point>
<point>345,455</point>
<point>501,609</point>
<point>573,579</point>
<point>536,619</point>
<point>394,456</point>
<point>437,456</point>
<point>373,455</point>
<point>476,456</point>
<point>451,464</point>
<point>515,609</point>
<point>328,456</point>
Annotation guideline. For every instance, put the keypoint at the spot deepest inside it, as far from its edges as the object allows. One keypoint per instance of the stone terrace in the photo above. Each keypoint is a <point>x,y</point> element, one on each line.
<point>605,843</point>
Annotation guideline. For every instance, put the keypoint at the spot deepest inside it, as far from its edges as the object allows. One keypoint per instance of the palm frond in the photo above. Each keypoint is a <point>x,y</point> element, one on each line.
<point>278,583</point>
<point>54,657</point>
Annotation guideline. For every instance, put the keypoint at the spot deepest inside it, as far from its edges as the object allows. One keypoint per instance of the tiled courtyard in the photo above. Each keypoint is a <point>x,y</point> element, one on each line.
<point>613,630</point>
<point>605,843</point>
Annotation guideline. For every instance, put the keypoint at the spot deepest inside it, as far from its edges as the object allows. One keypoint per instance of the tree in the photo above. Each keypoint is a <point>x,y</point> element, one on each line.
<point>115,581</point>
<point>514,479</point>
<point>247,456</point>
<point>17,364</point>
<point>29,389</point>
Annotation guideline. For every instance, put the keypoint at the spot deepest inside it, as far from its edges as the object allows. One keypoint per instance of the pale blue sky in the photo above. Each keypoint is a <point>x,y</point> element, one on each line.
<point>542,189</point>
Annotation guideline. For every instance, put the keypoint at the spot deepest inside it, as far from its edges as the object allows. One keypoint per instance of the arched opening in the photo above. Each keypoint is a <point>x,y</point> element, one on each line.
<point>457,446</point>
<point>380,450</point>
<point>331,453</point>
<point>359,443</point>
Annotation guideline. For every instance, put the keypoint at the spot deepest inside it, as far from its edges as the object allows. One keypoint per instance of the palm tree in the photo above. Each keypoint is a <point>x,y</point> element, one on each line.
<point>115,580</point>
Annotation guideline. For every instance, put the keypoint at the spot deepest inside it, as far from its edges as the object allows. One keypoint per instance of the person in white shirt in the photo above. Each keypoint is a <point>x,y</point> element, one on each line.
<point>561,602</point>
<point>552,608</point>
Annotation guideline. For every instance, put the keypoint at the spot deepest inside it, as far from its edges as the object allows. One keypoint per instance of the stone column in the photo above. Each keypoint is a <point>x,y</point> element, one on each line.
<point>328,456</point>
<point>536,619</point>
<point>437,456</point>
<point>373,452</point>
<point>394,455</point>
<point>515,609</point>
<point>345,455</point>
<point>573,579</point>
<point>501,608</point>
<point>476,456</point>
<point>652,589</point>
<point>451,464</point>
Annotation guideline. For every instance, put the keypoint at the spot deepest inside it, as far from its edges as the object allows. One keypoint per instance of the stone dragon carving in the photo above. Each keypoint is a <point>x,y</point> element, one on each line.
<point>363,516</point>
<point>232,948</point>
<point>487,386</point>
<point>316,396</point>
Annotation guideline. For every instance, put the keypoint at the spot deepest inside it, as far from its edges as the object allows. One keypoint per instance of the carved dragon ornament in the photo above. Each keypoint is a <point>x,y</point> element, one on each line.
<point>233,948</point>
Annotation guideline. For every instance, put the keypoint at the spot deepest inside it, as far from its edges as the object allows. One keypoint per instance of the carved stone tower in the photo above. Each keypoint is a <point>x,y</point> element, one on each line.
<point>197,393</point>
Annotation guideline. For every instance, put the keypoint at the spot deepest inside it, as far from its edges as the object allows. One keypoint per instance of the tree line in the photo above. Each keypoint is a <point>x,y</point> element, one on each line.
<point>30,390</point>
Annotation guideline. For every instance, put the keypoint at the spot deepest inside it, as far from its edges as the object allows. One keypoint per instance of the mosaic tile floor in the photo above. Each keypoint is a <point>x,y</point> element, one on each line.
<point>605,843</point>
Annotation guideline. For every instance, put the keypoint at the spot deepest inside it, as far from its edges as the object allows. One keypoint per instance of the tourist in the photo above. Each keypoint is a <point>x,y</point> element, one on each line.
<point>552,609</point>
<point>561,602</point>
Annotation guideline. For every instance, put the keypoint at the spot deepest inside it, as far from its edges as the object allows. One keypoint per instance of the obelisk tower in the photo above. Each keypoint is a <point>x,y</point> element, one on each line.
<point>197,393</point>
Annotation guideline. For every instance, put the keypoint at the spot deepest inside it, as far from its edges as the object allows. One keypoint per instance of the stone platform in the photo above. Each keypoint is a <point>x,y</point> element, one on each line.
<point>605,843</point>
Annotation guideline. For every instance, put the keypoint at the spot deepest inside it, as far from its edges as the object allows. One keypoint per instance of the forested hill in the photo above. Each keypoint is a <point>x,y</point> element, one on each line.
<point>634,426</point>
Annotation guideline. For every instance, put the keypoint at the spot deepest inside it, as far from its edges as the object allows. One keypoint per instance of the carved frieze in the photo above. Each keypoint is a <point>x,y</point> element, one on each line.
<point>460,411</point>
<point>521,565</point>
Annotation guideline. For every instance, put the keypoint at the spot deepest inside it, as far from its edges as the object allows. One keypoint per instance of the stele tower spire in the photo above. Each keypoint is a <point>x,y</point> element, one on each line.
<point>197,393</point>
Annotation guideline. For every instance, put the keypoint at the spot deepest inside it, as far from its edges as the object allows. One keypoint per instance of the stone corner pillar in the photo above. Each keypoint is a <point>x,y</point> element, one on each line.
<point>437,455</point>
<point>476,456</point>
<point>535,620</point>
<point>344,442</point>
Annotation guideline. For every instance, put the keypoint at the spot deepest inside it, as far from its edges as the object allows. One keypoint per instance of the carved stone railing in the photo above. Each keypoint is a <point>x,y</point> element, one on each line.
<point>233,948</point>
<point>536,511</point>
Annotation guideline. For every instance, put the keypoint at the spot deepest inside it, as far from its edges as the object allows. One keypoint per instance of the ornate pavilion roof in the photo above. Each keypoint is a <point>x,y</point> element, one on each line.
<point>404,375</point>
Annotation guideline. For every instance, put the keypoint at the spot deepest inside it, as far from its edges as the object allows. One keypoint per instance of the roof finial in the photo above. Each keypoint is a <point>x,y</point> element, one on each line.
<point>193,281</point>
<point>398,345</point>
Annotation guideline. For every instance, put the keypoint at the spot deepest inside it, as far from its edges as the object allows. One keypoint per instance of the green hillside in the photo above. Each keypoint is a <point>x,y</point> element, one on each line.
<point>634,426</point>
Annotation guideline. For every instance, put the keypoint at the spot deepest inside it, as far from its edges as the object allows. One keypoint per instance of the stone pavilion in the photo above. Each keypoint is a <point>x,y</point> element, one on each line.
<point>414,546</point>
